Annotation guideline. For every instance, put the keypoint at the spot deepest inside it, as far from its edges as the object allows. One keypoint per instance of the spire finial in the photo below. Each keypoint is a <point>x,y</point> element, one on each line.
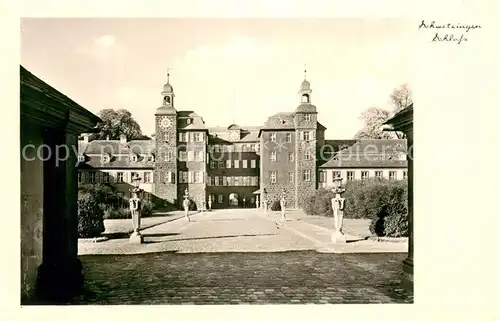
<point>168,75</point>
<point>305,72</point>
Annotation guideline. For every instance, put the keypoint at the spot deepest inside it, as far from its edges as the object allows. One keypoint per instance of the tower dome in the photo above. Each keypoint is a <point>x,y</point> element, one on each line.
<point>167,88</point>
<point>306,85</point>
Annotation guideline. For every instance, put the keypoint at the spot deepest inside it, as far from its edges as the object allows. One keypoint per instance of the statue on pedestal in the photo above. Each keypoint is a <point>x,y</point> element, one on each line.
<point>264,200</point>
<point>257,203</point>
<point>338,205</point>
<point>283,205</point>
<point>209,202</point>
<point>244,202</point>
<point>135,211</point>
<point>185,204</point>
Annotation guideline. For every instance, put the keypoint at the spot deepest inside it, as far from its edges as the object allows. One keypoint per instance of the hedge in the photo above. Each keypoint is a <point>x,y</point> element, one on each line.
<point>97,202</point>
<point>384,202</point>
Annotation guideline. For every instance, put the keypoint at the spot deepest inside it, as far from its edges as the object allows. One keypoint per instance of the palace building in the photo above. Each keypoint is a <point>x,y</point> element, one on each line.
<point>234,165</point>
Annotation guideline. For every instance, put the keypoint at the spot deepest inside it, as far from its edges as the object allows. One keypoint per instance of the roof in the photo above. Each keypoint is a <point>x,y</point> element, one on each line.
<point>367,153</point>
<point>166,110</point>
<point>401,120</point>
<point>306,108</point>
<point>189,120</point>
<point>45,104</point>
<point>114,147</point>
<point>221,134</point>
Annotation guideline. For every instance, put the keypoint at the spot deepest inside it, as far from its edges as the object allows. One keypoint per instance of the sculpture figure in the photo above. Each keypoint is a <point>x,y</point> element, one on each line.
<point>338,205</point>
<point>209,202</point>
<point>185,204</point>
<point>257,203</point>
<point>283,205</point>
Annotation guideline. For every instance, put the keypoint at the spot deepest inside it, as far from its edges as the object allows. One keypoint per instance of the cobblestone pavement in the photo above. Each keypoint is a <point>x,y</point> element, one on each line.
<point>251,260</point>
<point>242,278</point>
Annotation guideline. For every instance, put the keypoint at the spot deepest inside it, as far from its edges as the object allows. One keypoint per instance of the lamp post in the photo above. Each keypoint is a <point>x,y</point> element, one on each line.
<point>338,205</point>
<point>135,210</point>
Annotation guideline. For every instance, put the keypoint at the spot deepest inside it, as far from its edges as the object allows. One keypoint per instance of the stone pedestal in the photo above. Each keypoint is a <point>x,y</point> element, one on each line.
<point>136,238</point>
<point>338,237</point>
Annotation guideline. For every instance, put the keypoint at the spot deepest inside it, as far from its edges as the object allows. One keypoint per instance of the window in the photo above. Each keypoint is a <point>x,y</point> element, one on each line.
<point>307,117</point>
<point>168,156</point>
<point>336,174</point>
<point>198,177</point>
<point>198,156</point>
<point>273,156</point>
<point>105,158</point>
<point>119,177</point>
<point>133,158</point>
<point>350,176</point>
<point>236,164</point>
<point>221,199</point>
<point>405,174</point>
<point>169,178</point>
<point>182,156</point>
<point>322,176</point>
<point>273,137</point>
<point>307,155</point>
<point>81,158</point>
<point>307,175</point>
<point>378,174</point>
<point>147,177</point>
<point>105,177</point>
<point>244,163</point>
<point>215,181</point>
<point>254,181</point>
<point>217,148</point>
<point>290,177</point>
<point>190,156</point>
<point>151,158</point>
<point>237,181</point>
<point>306,136</point>
<point>212,164</point>
<point>228,163</point>
<point>182,137</point>
<point>273,175</point>
<point>197,137</point>
<point>364,175</point>
<point>392,175</point>
<point>220,164</point>
<point>288,137</point>
<point>291,157</point>
<point>253,163</point>
<point>221,180</point>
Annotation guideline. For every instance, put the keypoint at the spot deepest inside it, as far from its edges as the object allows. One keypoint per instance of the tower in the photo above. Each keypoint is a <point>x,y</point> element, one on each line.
<point>166,147</point>
<point>305,123</point>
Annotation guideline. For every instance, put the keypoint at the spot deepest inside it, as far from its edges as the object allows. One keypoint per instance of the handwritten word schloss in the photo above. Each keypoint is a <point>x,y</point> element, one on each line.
<point>449,32</point>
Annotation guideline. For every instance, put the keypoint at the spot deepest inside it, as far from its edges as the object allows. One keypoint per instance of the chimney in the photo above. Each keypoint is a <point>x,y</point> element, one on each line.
<point>85,138</point>
<point>123,139</point>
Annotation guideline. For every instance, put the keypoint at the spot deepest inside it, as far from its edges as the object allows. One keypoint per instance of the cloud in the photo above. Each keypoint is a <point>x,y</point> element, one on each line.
<point>101,48</point>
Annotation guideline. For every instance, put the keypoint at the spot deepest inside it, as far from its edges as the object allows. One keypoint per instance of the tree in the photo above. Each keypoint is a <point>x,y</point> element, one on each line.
<point>115,123</point>
<point>373,119</point>
<point>401,98</point>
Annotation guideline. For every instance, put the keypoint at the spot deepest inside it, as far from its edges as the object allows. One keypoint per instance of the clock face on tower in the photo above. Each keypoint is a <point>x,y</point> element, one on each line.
<point>165,122</point>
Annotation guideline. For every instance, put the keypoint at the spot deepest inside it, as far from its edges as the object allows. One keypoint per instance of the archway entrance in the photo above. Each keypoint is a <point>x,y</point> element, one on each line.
<point>233,200</point>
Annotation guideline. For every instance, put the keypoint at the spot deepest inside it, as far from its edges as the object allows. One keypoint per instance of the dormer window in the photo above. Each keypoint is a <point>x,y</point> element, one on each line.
<point>188,121</point>
<point>105,158</point>
<point>151,158</point>
<point>81,158</point>
<point>133,158</point>
<point>305,98</point>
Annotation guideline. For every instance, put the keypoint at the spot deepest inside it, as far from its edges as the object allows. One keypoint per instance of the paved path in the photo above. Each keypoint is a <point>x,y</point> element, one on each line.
<point>236,257</point>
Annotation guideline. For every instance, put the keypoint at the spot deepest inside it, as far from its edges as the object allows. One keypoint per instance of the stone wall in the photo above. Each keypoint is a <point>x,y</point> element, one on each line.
<point>304,189</point>
<point>164,191</point>
<point>282,166</point>
<point>31,209</point>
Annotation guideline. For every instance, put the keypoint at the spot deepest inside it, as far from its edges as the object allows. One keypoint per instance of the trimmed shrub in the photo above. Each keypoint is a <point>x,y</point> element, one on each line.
<point>147,208</point>
<point>384,202</point>
<point>90,216</point>
<point>319,204</point>
<point>275,205</point>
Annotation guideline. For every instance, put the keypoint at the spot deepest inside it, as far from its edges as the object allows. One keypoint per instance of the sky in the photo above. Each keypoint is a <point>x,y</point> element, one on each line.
<point>226,70</point>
